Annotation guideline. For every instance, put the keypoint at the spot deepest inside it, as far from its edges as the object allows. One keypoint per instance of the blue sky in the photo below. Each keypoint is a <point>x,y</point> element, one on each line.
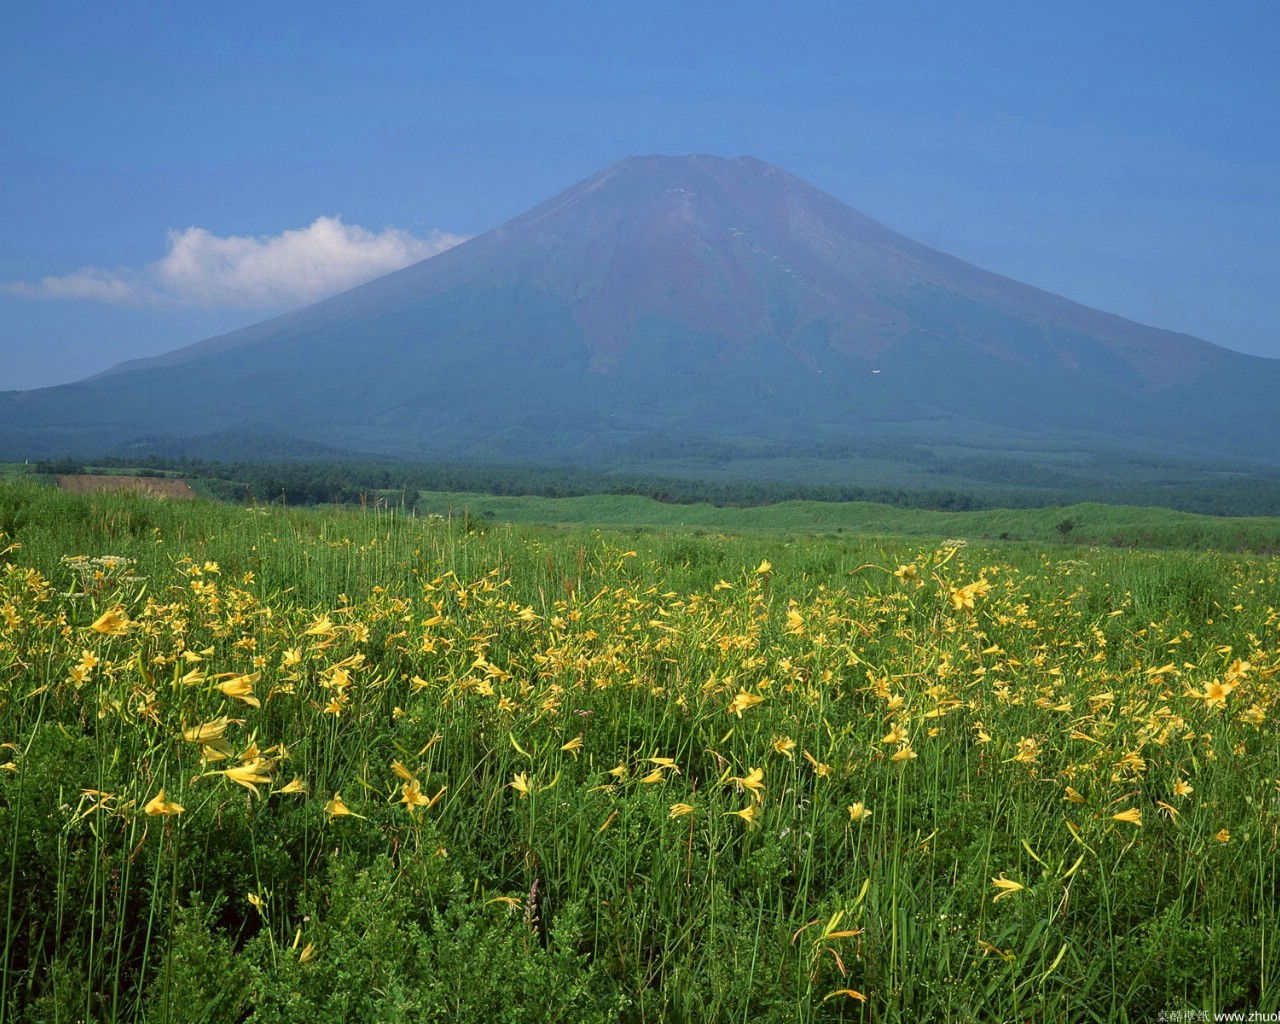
<point>171,171</point>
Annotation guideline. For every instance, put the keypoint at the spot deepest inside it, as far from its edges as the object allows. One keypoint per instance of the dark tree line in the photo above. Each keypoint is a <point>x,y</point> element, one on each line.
<point>976,483</point>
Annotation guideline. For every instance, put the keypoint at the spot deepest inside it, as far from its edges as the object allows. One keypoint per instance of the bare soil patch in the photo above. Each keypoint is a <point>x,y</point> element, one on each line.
<point>156,487</point>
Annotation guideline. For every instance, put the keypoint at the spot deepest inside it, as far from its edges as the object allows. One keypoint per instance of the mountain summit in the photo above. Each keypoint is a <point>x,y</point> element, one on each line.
<point>666,302</point>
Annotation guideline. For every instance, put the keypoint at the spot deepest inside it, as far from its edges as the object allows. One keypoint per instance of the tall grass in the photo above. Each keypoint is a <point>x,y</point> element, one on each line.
<point>449,769</point>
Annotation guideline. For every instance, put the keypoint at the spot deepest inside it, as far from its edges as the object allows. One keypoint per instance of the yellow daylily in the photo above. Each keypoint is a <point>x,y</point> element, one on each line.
<point>323,626</point>
<point>1215,693</point>
<point>336,808</point>
<point>820,768</point>
<point>1007,887</point>
<point>241,688</point>
<point>159,805</point>
<point>207,732</point>
<point>963,598</point>
<point>112,622</point>
<point>895,735</point>
<point>747,814</point>
<point>251,774</point>
<point>1169,809</point>
<point>412,796</point>
<point>743,701</point>
<point>753,782</point>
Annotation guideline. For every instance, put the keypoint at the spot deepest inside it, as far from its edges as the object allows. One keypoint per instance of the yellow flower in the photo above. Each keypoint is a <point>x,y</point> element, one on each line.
<point>296,786</point>
<point>412,795</point>
<point>251,774</point>
<point>747,814</point>
<point>207,732</point>
<point>754,782</point>
<point>895,735</point>
<point>573,746</point>
<point>323,626</point>
<point>112,622</point>
<point>158,805</point>
<point>904,753</point>
<point>1182,788</point>
<point>743,701</point>
<point>784,746</point>
<point>1238,669</point>
<point>859,812</point>
<point>335,808</point>
<point>905,572</point>
<point>654,776</point>
<point>965,597</point>
<point>1073,796</point>
<point>1006,886</point>
<point>217,750</point>
<point>1223,836</point>
<point>1132,816</point>
<point>820,768</point>
<point>1133,761</point>
<point>521,785</point>
<point>678,810</point>
<point>241,687</point>
<point>764,567</point>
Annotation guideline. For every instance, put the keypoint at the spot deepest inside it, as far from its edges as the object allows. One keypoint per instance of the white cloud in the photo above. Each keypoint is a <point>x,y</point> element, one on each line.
<point>286,270</point>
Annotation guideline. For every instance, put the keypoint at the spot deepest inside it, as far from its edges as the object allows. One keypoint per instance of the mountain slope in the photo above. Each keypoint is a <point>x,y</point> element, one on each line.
<point>677,298</point>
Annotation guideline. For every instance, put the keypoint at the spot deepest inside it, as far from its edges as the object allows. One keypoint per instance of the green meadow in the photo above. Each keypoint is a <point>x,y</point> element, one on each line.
<point>467,758</point>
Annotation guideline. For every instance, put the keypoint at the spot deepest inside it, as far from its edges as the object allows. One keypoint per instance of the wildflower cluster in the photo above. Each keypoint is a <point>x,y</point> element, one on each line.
<point>982,752</point>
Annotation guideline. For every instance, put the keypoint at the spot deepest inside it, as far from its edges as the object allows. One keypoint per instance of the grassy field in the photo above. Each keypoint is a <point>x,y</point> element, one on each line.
<point>1088,524</point>
<point>271,765</point>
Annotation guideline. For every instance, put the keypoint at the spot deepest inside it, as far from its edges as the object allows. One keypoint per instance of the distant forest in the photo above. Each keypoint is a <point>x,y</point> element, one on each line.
<point>970,484</point>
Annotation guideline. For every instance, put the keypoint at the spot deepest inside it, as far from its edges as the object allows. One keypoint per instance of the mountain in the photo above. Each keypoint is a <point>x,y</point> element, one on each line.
<point>670,307</point>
